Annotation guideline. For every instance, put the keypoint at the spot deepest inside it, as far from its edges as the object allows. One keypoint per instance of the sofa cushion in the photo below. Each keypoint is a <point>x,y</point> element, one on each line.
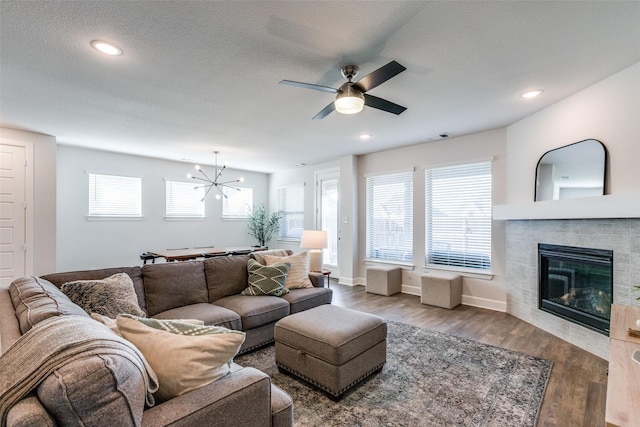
<point>135,273</point>
<point>226,275</point>
<point>29,412</point>
<point>257,310</point>
<point>298,276</point>
<point>183,356</point>
<point>36,299</point>
<point>109,297</point>
<point>304,299</point>
<point>259,255</point>
<point>210,314</point>
<point>265,280</point>
<point>90,390</point>
<point>174,284</point>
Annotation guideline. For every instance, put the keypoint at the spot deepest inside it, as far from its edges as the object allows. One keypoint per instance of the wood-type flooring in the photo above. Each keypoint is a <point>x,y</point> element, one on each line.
<point>577,388</point>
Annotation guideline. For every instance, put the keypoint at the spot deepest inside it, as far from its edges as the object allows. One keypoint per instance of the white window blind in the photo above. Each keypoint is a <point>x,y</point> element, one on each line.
<point>115,196</point>
<point>238,203</point>
<point>389,227</point>
<point>184,199</point>
<point>291,203</point>
<point>458,216</point>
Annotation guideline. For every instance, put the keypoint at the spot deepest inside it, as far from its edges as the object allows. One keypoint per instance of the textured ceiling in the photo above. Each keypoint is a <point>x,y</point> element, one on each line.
<point>198,76</point>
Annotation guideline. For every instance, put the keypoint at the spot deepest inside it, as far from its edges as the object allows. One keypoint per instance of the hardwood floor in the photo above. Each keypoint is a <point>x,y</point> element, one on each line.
<point>576,391</point>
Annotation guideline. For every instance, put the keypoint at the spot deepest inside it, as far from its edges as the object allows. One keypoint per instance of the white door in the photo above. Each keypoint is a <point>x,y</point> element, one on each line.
<point>12,213</point>
<point>327,216</point>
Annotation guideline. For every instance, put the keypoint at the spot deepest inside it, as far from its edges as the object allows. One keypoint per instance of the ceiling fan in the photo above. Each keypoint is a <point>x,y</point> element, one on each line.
<point>351,97</point>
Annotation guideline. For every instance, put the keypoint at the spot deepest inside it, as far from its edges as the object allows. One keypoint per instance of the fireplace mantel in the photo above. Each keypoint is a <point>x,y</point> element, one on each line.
<point>625,205</point>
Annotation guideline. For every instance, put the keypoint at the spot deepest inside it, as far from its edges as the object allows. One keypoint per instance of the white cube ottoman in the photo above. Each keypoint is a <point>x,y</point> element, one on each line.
<point>442,289</point>
<point>384,280</point>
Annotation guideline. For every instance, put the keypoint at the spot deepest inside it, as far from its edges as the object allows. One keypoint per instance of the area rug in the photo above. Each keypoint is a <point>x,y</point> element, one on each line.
<point>430,379</point>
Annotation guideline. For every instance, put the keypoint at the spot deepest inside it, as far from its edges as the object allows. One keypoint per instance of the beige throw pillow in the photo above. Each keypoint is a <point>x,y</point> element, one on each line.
<point>298,276</point>
<point>113,325</point>
<point>183,356</point>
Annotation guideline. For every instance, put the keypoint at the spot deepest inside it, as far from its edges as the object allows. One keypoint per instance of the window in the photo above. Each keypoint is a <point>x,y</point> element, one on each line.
<point>237,203</point>
<point>389,200</point>
<point>458,216</point>
<point>184,200</point>
<point>291,203</point>
<point>115,196</point>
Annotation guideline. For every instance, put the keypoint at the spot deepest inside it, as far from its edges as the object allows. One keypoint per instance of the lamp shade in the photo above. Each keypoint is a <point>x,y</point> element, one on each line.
<point>313,239</point>
<point>349,100</point>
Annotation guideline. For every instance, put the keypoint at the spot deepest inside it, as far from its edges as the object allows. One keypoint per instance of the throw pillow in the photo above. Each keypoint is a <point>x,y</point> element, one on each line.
<point>113,325</point>
<point>109,297</point>
<point>298,276</point>
<point>183,356</point>
<point>265,280</point>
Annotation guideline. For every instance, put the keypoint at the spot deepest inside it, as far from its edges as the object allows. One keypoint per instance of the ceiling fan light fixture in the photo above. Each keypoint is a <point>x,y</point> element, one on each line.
<point>349,100</point>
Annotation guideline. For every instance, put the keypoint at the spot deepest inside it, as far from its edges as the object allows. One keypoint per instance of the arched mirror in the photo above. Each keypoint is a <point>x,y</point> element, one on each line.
<point>573,171</point>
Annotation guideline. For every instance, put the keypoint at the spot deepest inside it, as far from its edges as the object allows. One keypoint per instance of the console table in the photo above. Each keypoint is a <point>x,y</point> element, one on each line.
<point>623,384</point>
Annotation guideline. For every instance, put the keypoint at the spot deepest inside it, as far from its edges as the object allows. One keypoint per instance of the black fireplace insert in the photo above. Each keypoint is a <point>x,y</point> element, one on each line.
<point>576,284</point>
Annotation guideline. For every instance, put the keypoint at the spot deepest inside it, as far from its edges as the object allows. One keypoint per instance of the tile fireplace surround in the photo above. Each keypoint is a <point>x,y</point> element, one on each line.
<point>622,236</point>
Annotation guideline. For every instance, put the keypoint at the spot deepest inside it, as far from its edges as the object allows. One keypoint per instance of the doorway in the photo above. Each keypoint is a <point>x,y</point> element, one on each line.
<point>327,209</point>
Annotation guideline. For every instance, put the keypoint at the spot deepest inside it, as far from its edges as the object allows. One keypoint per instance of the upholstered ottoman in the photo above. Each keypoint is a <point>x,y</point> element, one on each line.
<point>331,347</point>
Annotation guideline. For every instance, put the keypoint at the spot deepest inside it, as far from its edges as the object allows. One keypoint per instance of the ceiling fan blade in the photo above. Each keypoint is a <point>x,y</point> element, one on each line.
<point>325,111</point>
<point>379,76</point>
<point>309,86</point>
<point>383,104</point>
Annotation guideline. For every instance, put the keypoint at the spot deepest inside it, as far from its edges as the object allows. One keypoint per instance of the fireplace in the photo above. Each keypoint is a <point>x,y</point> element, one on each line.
<point>576,284</point>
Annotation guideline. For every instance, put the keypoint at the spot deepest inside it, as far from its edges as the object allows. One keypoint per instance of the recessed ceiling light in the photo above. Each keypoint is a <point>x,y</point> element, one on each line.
<point>365,136</point>
<point>531,93</point>
<point>106,47</point>
<point>301,164</point>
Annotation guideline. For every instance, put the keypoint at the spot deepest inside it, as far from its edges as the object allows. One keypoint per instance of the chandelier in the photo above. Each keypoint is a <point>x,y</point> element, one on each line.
<point>215,182</point>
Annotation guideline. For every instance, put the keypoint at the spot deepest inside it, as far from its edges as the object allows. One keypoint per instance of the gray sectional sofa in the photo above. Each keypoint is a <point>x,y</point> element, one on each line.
<point>109,388</point>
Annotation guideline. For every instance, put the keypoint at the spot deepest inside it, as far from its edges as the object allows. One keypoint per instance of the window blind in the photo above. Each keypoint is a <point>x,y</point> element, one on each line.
<point>389,217</point>
<point>458,216</point>
<point>184,199</point>
<point>115,196</point>
<point>238,203</point>
<point>291,203</point>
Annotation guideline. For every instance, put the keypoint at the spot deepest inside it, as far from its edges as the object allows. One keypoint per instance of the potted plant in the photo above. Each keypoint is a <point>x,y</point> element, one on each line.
<point>262,226</point>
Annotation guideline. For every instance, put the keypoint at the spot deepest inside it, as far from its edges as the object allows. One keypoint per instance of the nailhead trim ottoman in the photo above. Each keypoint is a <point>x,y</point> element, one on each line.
<point>331,347</point>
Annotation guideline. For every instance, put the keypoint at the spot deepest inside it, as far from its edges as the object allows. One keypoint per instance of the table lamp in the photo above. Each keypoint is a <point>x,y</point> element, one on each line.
<point>315,240</point>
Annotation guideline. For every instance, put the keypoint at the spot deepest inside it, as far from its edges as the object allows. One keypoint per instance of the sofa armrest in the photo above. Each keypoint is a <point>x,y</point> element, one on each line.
<point>224,401</point>
<point>317,279</point>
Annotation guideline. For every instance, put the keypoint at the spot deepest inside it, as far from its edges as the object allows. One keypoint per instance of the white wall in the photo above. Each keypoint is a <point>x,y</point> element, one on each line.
<point>41,189</point>
<point>87,244</point>
<point>303,174</point>
<point>608,111</point>
<point>464,149</point>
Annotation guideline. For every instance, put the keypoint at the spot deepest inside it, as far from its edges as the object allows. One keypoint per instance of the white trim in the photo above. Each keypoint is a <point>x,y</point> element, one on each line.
<point>393,172</point>
<point>403,265</point>
<point>473,274</point>
<point>490,304</point>
<point>113,218</point>
<point>444,165</point>
<point>412,290</point>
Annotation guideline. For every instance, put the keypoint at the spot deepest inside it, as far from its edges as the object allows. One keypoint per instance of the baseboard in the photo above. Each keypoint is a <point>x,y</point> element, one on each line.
<point>352,282</point>
<point>411,290</point>
<point>466,299</point>
<point>484,303</point>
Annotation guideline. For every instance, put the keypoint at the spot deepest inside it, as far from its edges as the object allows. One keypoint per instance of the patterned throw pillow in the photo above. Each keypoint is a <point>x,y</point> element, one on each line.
<point>265,280</point>
<point>183,356</point>
<point>298,276</point>
<point>109,297</point>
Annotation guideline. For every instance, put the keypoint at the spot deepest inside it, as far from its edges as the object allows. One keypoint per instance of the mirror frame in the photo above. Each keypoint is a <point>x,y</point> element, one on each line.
<point>604,167</point>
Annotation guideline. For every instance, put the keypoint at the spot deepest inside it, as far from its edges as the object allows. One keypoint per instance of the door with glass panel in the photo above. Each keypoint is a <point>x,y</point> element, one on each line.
<point>327,202</point>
